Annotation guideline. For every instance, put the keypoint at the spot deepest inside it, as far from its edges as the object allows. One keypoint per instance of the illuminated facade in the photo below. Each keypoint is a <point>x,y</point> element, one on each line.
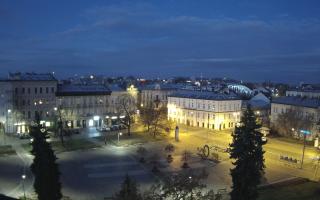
<point>306,108</point>
<point>29,94</point>
<point>204,109</point>
<point>156,94</point>
<point>82,106</point>
<point>116,93</point>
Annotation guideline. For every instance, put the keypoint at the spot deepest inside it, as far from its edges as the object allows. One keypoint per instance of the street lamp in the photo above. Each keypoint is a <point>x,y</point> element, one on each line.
<point>24,192</point>
<point>305,133</point>
<point>119,134</point>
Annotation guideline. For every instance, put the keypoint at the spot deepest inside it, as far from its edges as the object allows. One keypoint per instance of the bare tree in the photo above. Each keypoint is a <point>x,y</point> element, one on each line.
<point>58,125</point>
<point>160,122</point>
<point>147,115</point>
<point>187,185</point>
<point>291,121</point>
<point>186,155</point>
<point>142,152</point>
<point>126,105</point>
<point>169,149</point>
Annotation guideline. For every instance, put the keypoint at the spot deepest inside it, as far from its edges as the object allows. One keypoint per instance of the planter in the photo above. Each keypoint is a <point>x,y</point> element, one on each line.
<point>169,158</point>
<point>185,165</point>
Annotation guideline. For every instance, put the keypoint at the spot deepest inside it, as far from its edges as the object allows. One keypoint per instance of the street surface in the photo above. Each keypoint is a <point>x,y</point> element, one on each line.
<point>98,173</point>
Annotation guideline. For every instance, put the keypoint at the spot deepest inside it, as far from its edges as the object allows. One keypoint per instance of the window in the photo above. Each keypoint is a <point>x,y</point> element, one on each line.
<point>35,90</point>
<point>16,90</point>
<point>29,114</point>
<point>40,90</point>
<point>29,91</point>
<point>52,90</point>
<point>23,90</point>
<point>47,90</point>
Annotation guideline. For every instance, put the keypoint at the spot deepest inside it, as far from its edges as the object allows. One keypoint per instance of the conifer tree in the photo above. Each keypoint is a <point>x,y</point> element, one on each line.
<point>129,190</point>
<point>246,150</point>
<point>44,166</point>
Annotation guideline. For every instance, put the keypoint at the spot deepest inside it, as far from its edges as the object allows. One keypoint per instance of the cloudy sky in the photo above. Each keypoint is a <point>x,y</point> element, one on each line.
<point>277,40</point>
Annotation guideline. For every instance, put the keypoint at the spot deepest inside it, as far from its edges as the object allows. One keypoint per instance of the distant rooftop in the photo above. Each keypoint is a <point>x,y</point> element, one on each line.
<point>115,88</point>
<point>304,90</point>
<point>298,101</point>
<point>78,90</point>
<point>204,95</point>
<point>158,86</point>
<point>31,77</point>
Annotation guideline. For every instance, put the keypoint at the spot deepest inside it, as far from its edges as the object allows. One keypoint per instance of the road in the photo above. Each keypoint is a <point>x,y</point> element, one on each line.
<point>98,173</point>
<point>193,137</point>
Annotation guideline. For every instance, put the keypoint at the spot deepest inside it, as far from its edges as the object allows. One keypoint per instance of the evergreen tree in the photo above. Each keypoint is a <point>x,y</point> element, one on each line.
<point>247,152</point>
<point>44,166</point>
<point>129,190</point>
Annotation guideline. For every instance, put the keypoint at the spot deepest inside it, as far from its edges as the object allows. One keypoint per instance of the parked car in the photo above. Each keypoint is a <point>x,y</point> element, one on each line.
<point>76,131</point>
<point>103,129</point>
<point>115,127</point>
<point>24,136</point>
<point>122,126</point>
<point>264,139</point>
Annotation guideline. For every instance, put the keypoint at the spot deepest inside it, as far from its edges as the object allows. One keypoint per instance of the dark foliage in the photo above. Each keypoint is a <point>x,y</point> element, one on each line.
<point>247,152</point>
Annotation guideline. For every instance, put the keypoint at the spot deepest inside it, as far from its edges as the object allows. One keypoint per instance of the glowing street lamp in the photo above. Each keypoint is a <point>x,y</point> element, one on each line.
<point>305,133</point>
<point>24,192</point>
<point>119,134</point>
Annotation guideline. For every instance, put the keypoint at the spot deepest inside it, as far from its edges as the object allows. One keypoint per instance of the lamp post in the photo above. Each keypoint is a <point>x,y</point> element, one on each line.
<point>119,136</point>
<point>24,192</point>
<point>305,133</point>
<point>317,168</point>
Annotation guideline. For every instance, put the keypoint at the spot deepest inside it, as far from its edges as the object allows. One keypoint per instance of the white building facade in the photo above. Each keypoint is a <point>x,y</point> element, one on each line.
<point>82,106</point>
<point>156,94</point>
<point>306,107</point>
<point>28,95</point>
<point>204,109</point>
<point>304,93</point>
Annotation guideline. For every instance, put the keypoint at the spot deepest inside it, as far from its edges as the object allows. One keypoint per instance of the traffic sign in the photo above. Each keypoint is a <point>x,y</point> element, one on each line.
<point>305,132</point>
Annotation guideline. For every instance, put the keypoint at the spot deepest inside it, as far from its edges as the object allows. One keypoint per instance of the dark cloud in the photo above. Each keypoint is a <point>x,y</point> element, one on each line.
<point>141,39</point>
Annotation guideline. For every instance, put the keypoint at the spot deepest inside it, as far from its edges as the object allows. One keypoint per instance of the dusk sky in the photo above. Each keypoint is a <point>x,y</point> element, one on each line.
<point>254,40</point>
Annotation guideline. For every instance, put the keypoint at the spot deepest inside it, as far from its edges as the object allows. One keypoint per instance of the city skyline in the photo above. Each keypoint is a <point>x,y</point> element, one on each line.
<point>250,41</point>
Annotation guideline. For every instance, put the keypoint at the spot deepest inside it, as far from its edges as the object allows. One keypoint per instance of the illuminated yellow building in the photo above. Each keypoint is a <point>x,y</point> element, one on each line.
<point>204,109</point>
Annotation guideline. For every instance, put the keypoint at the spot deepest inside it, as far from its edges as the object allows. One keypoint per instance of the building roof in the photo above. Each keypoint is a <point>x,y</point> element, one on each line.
<point>204,95</point>
<point>115,88</point>
<point>158,86</point>
<point>298,101</point>
<point>305,90</point>
<point>260,97</point>
<point>259,104</point>
<point>31,77</point>
<point>82,90</point>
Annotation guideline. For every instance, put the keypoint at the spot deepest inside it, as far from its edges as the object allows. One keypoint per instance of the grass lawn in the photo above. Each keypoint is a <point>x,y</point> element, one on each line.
<point>69,145</point>
<point>73,144</point>
<point>136,137</point>
<point>7,150</point>
<point>306,190</point>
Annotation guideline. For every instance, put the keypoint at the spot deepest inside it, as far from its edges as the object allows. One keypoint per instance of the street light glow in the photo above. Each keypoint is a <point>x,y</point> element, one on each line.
<point>96,118</point>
